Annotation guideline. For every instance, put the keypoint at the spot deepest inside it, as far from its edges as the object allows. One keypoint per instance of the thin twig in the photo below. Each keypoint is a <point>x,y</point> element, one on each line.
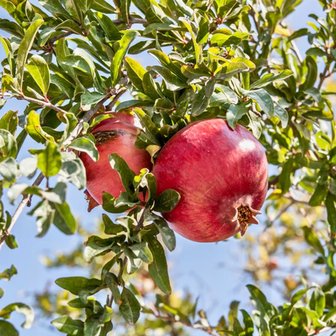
<point>58,37</point>
<point>44,103</point>
<point>115,99</point>
<point>297,51</point>
<point>171,319</point>
<point>25,202</point>
<point>283,210</point>
<point>316,332</point>
<point>324,75</point>
<point>132,21</point>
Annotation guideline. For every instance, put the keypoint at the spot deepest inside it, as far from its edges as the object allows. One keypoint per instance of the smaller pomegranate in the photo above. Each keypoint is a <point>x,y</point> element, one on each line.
<point>221,175</point>
<point>116,135</point>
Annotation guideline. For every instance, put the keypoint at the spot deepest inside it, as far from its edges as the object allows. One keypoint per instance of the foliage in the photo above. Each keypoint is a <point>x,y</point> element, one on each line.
<point>71,61</point>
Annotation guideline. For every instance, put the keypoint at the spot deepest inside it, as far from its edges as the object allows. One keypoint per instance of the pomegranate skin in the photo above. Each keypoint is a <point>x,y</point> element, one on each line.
<point>114,135</point>
<point>221,175</point>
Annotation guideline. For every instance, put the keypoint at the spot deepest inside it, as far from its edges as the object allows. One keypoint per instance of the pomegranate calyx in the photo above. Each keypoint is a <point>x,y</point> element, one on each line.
<point>92,203</point>
<point>245,216</point>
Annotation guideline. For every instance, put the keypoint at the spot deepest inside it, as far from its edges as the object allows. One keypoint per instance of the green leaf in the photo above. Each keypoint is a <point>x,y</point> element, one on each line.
<point>8,273</point>
<point>235,113</point>
<point>68,325</point>
<point>248,322</point>
<point>79,63</point>
<point>20,308</point>
<point>173,82</point>
<point>167,200</point>
<point>202,98</point>
<point>323,140</point>
<point>224,96</point>
<point>73,7</point>
<point>227,38</point>
<point>103,6</point>
<point>49,160</point>
<point>298,296</point>
<point>330,203</point>
<point>110,29</point>
<point>118,58</point>
<point>92,326</point>
<point>7,329</point>
<point>39,70</point>
<point>129,306</point>
<point>312,239</point>
<point>142,252</point>
<point>109,204</point>
<point>282,114</point>
<point>34,128</point>
<point>314,51</point>
<point>9,170</point>
<point>317,301</point>
<point>96,246</point>
<point>111,228</point>
<point>73,170</point>
<point>90,98</point>
<point>167,234</point>
<point>269,78</point>
<point>86,145</point>
<point>44,214</point>
<point>133,103</point>
<point>158,268</point>
<point>126,174</point>
<point>260,299</point>
<point>197,46</point>
<point>63,84</point>
<point>9,121</point>
<point>285,176</point>
<point>24,48</point>
<point>135,72</point>
<point>64,219</point>
<point>233,67</point>
<point>233,312</point>
<point>76,285</point>
<point>8,6</point>
<point>320,193</point>
<point>312,72</point>
<point>264,100</point>
<point>11,242</point>
<point>8,146</point>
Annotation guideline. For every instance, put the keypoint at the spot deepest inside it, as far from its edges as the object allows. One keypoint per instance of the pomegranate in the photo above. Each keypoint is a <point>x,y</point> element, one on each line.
<point>221,175</point>
<point>114,135</point>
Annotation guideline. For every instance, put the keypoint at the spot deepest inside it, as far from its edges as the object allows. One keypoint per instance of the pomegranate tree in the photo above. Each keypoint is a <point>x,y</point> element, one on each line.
<point>116,135</point>
<point>221,175</point>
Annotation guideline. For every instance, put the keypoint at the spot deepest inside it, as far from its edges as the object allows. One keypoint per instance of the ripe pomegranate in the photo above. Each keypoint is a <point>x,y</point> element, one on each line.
<point>221,175</point>
<point>114,135</point>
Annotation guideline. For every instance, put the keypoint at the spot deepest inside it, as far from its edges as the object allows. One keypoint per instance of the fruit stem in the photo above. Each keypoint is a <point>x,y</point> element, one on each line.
<point>104,136</point>
<point>246,216</point>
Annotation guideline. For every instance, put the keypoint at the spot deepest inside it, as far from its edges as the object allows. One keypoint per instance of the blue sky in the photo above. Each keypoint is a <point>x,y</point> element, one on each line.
<point>213,272</point>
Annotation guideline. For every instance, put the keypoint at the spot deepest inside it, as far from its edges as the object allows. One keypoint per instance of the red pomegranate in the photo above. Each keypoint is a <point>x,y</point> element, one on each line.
<point>114,135</point>
<point>221,175</point>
